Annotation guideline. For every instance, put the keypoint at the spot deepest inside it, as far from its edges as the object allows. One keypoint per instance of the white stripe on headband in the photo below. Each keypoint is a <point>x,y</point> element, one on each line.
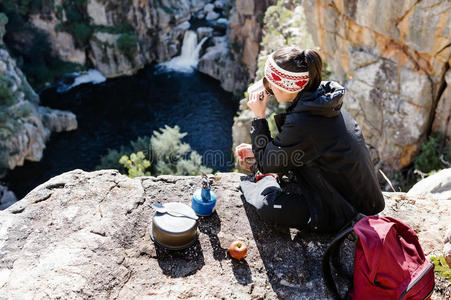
<point>291,82</point>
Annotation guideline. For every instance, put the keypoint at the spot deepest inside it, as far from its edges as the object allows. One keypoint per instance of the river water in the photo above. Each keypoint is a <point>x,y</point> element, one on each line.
<point>117,111</point>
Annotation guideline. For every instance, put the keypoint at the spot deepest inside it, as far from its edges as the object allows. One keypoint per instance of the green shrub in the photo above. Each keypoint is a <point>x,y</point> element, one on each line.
<point>22,111</point>
<point>191,166</point>
<point>26,110</point>
<point>82,33</point>
<point>7,96</point>
<point>3,114</point>
<point>168,154</point>
<point>117,29</point>
<point>41,73</point>
<point>111,159</point>
<point>35,5</point>
<point>59,12</point>
<point>20,7</point>
<point>167,144</point>
<point>62,26</point>
<point>73,14</point>
<point>4,133</point>
<point>429,158</point>
<point>36,60</point>
<point>78,20</point>
<point>127,44</point>
<point>11,125</point>
<point>136,164</point>
<point>33,53</point>
<point>3,19</point>
<point>141,144</point>
<point>441,268</point>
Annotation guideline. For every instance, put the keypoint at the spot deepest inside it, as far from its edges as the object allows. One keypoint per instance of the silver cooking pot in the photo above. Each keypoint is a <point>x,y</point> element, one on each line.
<point>176,228</point>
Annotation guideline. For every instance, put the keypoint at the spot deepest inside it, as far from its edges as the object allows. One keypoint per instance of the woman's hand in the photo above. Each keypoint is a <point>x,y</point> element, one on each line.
<point>245,156</point>
<point>257,103</point>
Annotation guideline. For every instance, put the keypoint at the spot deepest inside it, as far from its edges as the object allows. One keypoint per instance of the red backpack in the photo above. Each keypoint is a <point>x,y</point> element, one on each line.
<point>388,261</point>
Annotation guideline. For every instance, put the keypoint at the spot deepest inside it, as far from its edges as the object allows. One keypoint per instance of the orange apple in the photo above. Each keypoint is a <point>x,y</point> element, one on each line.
<point>238,249</point>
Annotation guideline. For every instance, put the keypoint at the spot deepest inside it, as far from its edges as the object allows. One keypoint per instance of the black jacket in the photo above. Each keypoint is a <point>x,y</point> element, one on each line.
<point>322,145</point>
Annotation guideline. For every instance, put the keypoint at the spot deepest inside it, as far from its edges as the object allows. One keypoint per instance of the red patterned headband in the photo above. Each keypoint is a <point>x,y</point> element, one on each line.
<point>287,81</point>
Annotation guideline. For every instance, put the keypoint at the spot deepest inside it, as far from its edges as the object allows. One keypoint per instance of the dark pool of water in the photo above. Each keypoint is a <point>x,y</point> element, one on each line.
<point>113,113</point>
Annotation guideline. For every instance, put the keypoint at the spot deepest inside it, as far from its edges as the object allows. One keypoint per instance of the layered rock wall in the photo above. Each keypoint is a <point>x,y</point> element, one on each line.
<point>24,125</point>
<point>393,57</point>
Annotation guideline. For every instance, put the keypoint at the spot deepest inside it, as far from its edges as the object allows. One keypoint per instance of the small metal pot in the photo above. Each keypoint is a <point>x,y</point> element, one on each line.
<point>174,230</point>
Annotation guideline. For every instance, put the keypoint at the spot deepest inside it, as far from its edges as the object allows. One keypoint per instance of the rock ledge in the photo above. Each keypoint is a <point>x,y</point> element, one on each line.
<point>85,235</point>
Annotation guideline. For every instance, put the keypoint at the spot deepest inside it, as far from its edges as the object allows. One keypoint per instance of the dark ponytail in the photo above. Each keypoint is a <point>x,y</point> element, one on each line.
<point>294,59</point>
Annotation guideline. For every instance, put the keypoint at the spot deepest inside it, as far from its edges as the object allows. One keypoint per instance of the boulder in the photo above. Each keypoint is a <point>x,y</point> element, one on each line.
<point>209,8</point>
<point>217,63</point>
<point>200,14</point>
<point>437,185</point>
<point>220,4</point>
<point>110,60</point>
<point>197,5</point>
<point>58,120</point>
<point>428,217</point>
<point>86,235</point>
<point>204,32</point>
<point>212,16</point>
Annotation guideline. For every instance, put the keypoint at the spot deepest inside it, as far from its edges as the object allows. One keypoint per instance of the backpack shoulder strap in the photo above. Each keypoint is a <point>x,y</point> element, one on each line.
<point>332,250</point>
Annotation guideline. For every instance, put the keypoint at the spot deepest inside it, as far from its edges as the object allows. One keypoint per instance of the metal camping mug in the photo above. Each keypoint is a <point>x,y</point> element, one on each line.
<point>258,87</point>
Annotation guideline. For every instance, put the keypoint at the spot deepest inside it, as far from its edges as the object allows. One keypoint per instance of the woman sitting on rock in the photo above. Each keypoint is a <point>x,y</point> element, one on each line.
<point>319,147</point>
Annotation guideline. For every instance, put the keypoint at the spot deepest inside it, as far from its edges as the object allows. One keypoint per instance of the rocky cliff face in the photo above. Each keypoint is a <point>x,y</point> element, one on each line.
<point>233,59</point>
<point>394,58</point>
<point>24,125</point>
<point>120,37</point>
<point>86,235</point>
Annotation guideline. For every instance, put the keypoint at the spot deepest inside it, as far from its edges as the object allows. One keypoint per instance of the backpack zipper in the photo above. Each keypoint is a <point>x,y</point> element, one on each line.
<point>411,285</point>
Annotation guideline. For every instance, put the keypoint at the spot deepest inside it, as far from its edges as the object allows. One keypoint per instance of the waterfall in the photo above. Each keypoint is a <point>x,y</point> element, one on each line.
<point>188,59</point>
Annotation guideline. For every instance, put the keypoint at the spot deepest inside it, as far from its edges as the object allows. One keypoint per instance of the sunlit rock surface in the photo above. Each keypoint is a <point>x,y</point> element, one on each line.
<point>86,235</point>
